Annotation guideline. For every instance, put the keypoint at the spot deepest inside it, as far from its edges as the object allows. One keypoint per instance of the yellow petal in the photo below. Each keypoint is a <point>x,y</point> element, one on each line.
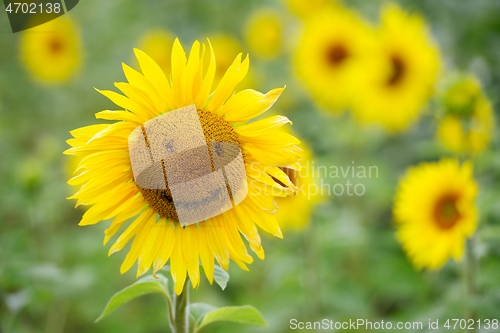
<point>139,81</point>
<point>86,132</point>
<point>206,254</point>
<point>235,73</point>
<point>131,231</point>
<point>140,97</point>
<point>167,247</point>
<point>260,127</point>
<point>177,263</point>
<point>121,218</point>
<point>124,128</point>
<point>124,102</point>
<point>93,160</point>
<point>139,245</point>
<point>108,206</point>
<point>91,190</point>
<point>259,251</point>
<point>264,202</point>
<point>215,243</point>
<point>248,104</point>
<point>162,238</point>
<point>206,86</point>
<point>198,78</point>
<point>247,228</point>
<point>275,138</point>
<point>149,248</point>
<point>114,167</point>
<point>285,157</point>
<point>190,245</point>
<point>251,234</point>
<point>258,172</point>
<point>189,76</point>
<point>118,115</point>
<point>237,248</point>
<point>280,175</point>
<point>114,143</point>
<point>178,69</point>
<point>155,75</point>
<point>264,220</point>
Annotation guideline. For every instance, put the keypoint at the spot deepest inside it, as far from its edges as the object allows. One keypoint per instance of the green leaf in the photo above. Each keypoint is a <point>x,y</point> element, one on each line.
<point>198,310</point>
<point>246,315</point>
<point>221,277</point>
<point>146,285</point>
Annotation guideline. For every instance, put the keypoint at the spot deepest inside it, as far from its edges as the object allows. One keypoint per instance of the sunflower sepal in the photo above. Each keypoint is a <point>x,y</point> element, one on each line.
<point>221,277</point>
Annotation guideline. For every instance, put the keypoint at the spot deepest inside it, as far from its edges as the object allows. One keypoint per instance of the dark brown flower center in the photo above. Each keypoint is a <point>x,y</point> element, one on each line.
<point>215,129</point>
<point>336,54</point>
<point>398,71</point>
<point>446,213</point>
<point>55,46</point>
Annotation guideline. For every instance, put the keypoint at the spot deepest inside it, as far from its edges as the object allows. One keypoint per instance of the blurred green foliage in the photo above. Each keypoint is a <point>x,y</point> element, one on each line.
<point>56,277</point>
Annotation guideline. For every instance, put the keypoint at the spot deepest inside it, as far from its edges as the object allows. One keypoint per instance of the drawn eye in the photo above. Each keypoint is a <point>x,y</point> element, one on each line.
<point>169,147</point>
<point>183,175</point>
<point>218,150</point>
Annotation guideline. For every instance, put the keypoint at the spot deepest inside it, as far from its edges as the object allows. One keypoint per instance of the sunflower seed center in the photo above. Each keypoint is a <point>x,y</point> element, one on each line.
<point>446,213</point>
<point>398,71</point>
<point>188,164</point>
<point>55,46</point>
<point>336,54</point>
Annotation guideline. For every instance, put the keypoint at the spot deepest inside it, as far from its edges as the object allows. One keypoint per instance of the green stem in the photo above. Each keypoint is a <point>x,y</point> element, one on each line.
<point>181,310</point>
<point>469,280</point>
<point>170,309</point>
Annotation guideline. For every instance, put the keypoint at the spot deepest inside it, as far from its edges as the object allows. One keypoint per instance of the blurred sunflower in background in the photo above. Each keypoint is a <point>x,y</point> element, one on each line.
<point>157,44</point>
<point>304,9</point>
<point>295,211</point>
<point>400,72</point>
<point>327,54</point>
<point>435,212</point>
<point>106,180</point>
<point>264,33</point>
<point>52,52</point>
<point>468,119</point>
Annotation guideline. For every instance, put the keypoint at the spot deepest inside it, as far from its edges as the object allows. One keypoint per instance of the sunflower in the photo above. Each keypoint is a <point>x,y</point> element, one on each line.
<point>304,9</point>
<point>468,120</point>
<point>399,73</point>
<point>295,211</point>
<point>331,44</point>
<point>264,33</point>
<point>52,51</point>
<point>158,45</point>
<point>435,212</point>
<point>161,118</point>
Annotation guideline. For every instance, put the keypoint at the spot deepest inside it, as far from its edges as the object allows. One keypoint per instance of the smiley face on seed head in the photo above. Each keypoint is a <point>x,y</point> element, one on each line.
<point>187,175</point>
